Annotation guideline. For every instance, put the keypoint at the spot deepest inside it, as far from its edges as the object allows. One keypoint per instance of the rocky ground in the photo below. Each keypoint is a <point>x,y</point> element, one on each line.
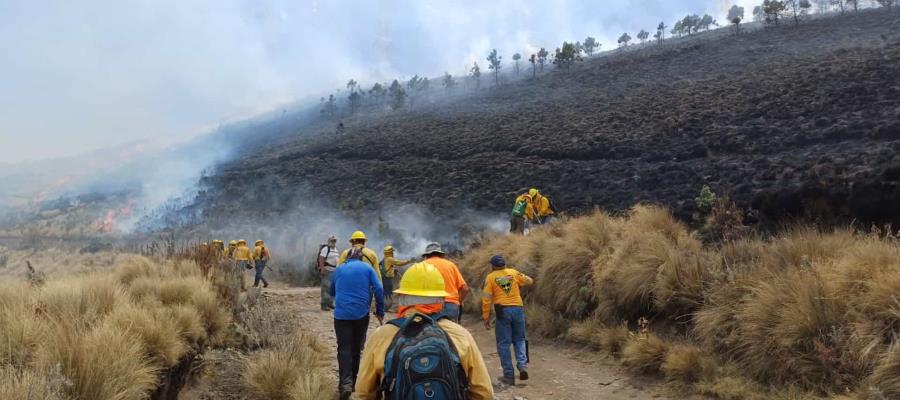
<point>791,121</point>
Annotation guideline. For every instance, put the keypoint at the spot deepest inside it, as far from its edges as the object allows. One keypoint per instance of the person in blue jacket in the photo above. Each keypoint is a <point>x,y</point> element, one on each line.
<point>353,284</point>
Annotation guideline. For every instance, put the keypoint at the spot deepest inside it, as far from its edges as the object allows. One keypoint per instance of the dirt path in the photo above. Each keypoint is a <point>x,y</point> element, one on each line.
<point>557,371</point>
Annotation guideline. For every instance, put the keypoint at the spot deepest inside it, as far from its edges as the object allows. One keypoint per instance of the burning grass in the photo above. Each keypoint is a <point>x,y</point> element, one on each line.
<point>104,336</point>
<point>807,311</point>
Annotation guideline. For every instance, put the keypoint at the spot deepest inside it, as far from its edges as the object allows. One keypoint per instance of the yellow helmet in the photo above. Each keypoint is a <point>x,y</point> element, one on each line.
<point>232,243</point>
<point>388,249</point>
<point>217,241</point>
<point>204,244</point>
<point>259,242</point>
<point>358,235</point>
<point>422,279</point>
<point>242,241</point>
<point>533,192</point>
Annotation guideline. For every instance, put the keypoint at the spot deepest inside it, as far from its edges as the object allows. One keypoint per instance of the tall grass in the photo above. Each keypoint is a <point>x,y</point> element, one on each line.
<point>104,336</point>
<point>293,369</point>
<point>807,309</point>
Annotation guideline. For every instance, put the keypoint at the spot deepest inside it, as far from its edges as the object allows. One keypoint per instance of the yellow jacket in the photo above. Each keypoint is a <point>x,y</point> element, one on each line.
<point>242,253</point>
<point>501,287</point>
<point>542,206</point>
<point>369,257</point>
<point>390,264</point>
<point>529,205</point>
<point>257,253</point>
<point>371,366</point>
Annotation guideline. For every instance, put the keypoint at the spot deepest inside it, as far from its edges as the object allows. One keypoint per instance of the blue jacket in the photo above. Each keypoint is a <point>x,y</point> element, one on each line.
<point>352,285</point>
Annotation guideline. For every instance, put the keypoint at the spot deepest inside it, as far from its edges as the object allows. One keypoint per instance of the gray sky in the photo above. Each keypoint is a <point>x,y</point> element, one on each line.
<point>82,75</point>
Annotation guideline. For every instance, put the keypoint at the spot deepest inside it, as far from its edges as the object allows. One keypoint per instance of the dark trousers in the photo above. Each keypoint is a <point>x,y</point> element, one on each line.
<point>260,267</point>
<point>351,335</point>
<point>517,225</point>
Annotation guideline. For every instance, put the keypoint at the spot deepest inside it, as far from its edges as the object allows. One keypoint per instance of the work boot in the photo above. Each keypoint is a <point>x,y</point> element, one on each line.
<point>507,380</point>
<point>265,284</point>
<point>345,392</point>
<point>523,375</point>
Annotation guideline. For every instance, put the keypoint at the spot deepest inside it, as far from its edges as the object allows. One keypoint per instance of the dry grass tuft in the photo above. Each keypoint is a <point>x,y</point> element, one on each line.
<point>687,364</point>
<point>155,328</point>
<point>884,383</point>
<point>543,321</point>
<point>292,370</point>
<point>645,353</point>
<point>23,384</point>
<point>731,387</point>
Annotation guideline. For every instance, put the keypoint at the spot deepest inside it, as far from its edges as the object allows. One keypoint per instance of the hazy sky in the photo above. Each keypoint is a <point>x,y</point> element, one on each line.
<point>82,75</point>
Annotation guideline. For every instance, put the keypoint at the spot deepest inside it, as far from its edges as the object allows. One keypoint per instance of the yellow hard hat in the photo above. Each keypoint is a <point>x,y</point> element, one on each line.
<point>533,192</point>
<point>358,235</point>
<point>422,279</point>
<point>388,249</point>
<point>217,241</point>
<point>204,244</point>
<point>242,241</point>
<point>259,242</point>
<point>232,243</point>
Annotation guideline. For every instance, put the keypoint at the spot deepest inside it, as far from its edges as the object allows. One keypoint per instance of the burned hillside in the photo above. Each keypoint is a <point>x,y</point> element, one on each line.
<point>800,121</point>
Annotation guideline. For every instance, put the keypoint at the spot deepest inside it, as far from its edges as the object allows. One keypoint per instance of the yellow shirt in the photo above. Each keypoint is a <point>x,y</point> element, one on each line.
<point>501,287</point>
<point>257,252</point>
<point>371,366</point>
<point>529,205</point>
<point>369,257</point>
<point>390,263</point>
<point>242,253</point>
<point>542,206</point>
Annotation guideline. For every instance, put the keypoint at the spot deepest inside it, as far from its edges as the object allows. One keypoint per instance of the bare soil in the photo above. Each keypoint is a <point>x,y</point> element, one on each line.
<point>800,121</point>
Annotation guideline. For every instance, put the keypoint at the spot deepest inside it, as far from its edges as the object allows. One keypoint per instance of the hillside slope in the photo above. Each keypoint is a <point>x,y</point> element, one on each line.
<point>792,120</point>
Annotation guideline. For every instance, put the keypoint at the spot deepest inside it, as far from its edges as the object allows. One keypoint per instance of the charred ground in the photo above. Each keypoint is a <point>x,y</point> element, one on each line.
<point>791,121</point>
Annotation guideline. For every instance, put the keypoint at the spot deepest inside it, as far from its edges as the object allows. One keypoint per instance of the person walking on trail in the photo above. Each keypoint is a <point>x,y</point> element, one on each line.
<point>231,246</point>
<point>243,260</point>
<point>389,274</point>
<point>543,207</point>
<point>352,285</point>
<point>522,211</point>
<point>358,240</point>
<point>261,257</point>
<point>501,288</point>
<point>327,262</point>
<point>454,283</point>
<point>447,363</point>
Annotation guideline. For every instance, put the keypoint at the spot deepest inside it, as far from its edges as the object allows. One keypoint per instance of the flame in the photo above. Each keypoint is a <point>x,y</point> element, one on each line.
<point>109,222</point>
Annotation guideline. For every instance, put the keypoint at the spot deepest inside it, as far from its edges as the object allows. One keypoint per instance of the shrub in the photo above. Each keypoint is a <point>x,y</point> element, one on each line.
<point>645,353</point>
<point>687,364</point>
<point>292,370</point>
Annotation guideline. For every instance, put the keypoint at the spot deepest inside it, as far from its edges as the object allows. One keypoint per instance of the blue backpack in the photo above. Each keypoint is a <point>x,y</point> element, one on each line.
<point>422,363</point>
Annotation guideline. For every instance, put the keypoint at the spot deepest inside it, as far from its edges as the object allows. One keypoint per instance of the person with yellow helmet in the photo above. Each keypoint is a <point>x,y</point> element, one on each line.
<point>243,260</point>
<point>389,274</point>
<point>543,207</point>
<point>358,240</point>
<point>522,211</point>
<point>353,285</point>
<point>448,361</point>
<point>260,259</point>
<point>501,288</point>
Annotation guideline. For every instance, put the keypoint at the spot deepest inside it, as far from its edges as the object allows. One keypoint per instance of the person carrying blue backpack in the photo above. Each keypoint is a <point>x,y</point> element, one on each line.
<point>422,354</point>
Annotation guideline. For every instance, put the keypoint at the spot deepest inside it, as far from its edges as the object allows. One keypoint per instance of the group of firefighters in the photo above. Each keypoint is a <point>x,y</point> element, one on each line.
<point>530,208</point>
<point>424,352</point>
<point>244,258</point>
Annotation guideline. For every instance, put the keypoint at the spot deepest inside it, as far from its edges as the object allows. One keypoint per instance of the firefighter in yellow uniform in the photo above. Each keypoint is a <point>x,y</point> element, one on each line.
<point>421,295</point>
<point>501,289</point>
<point>261,257</point>
<point>523,210</point>
<point>543,208</point>
<point>243,260</point>
<point>390,274</point>
<point>358,239</point>
<point>230,252</point>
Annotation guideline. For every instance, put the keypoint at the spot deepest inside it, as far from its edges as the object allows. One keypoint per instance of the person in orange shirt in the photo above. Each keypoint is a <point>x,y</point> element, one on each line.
<point>453,280</point>
<point>501,288</point>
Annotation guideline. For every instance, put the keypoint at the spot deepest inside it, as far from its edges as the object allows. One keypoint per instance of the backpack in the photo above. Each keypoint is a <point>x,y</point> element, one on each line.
<point>422,363</point>
<point>519,209</point>
<point>264,253</point>
<point>381,268</point>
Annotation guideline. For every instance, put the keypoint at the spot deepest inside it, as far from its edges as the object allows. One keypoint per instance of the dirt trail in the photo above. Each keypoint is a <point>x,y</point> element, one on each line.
<point>557,371</point>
